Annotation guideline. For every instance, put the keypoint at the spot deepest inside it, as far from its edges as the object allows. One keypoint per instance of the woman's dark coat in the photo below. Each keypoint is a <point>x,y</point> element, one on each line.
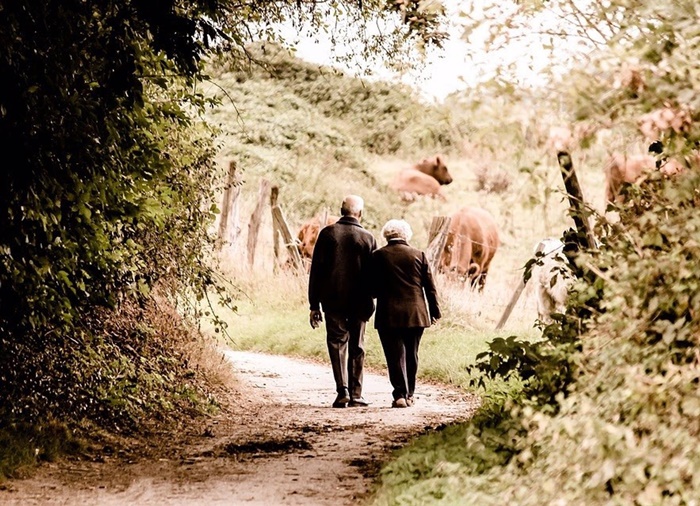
<point>401,282</point>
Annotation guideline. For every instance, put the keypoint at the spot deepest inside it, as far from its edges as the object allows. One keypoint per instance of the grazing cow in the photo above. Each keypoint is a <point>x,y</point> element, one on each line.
<point>622,169</point>
<point>471,242</point>
<point>664,121</point>
<point>424,178</point>
<point>308,234</point>
<point>552,278</point>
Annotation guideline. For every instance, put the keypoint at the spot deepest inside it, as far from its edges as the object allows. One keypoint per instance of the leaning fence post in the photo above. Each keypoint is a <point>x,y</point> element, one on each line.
<point>576,203</point>
<point>274,193</point>
<point>280,226</point>
<point>511,304</point>
<point>516,294</point>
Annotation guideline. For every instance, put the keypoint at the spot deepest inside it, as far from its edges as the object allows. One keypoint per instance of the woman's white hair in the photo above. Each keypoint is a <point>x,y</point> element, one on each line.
<point>397,229</point>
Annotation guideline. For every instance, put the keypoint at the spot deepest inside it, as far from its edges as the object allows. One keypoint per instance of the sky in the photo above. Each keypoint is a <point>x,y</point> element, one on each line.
<point>446,70</point>
<point>461,64</point>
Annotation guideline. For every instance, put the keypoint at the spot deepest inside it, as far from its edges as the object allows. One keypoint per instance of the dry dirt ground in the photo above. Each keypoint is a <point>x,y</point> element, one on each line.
<point>284,445</point>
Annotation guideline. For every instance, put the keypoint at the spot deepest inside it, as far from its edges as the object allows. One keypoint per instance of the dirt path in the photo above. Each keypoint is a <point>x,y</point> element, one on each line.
<point>284,446</point>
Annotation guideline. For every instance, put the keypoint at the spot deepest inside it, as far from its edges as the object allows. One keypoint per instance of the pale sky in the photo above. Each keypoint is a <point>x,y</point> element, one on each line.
<point>460,64</point>
<point>444,72</point>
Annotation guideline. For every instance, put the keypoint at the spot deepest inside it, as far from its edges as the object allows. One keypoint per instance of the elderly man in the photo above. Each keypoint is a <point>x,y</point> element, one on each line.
<point>338,283</point>
<point>402,283</point>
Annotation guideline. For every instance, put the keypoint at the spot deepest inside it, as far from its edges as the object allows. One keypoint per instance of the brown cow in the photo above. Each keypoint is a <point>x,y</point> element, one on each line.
<point>664,121</point>
<point>308,233</point>
<point>472,241</point>
<point>424,178</point>
<point>622,169</point>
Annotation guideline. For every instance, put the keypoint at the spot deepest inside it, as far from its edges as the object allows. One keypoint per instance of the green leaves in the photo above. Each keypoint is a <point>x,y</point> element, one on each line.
<point>108,179</point>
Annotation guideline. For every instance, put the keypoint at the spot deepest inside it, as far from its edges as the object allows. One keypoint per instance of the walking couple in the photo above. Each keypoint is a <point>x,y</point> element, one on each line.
<point>347,273</point>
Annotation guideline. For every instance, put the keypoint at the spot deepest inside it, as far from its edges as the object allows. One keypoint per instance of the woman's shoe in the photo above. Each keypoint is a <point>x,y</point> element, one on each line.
<point>410,401</point>
<point>399,403</point>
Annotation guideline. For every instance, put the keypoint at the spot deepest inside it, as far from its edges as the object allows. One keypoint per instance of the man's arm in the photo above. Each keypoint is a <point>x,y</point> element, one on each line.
<point>317,272</point>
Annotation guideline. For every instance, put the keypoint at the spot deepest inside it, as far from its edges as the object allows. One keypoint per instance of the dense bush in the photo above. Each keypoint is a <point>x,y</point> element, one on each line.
<point>607,407</point>
<point>105,192</point>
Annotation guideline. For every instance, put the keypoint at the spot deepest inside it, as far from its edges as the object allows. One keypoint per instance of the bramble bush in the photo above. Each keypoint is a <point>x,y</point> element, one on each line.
<point>605,408</point>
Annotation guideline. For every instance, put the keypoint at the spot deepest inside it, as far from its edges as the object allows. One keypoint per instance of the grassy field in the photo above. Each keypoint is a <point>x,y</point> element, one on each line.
<point>272,307</point>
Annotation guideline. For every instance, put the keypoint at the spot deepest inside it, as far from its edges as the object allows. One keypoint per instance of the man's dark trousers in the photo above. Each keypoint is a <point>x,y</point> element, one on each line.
<point>346,347</point>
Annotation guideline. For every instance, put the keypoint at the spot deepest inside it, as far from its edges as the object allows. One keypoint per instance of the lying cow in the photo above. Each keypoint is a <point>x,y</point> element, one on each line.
<point>308,234</point>
<point>471,243</point>
<point>424,178</point>
<point>621,169</point>
<point>551,277</point>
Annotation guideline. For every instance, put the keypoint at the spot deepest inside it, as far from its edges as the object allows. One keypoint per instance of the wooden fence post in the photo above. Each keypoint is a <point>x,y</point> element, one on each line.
<point>437,235</point>
<point>516,295</point>
<point>255,220</point>
<point>274,194</point>
<point>576,203</point>
<point>577,212</point>
<point>229,221</point>
<point>281,227</point>
<point>511,304</point>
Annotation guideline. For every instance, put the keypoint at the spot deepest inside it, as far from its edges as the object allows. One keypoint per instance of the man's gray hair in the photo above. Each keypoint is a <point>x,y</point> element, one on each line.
<point>397,229</point>
<point>352,206</point>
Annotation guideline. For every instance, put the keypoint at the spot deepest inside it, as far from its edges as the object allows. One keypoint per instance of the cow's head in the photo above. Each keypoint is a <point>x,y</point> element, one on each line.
<point>307,238</point>
<point>436,168</point>
<point>308,234</point>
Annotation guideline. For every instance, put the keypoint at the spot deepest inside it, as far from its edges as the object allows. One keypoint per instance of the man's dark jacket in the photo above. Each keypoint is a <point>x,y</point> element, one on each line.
<point>402,282</point>
<point>338,280</point>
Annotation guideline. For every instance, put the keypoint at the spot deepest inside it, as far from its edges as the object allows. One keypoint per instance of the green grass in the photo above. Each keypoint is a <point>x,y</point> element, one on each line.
<point>272,317</point>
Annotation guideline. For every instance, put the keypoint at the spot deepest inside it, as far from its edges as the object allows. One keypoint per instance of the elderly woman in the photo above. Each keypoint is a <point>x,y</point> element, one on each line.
<point>401,283</point>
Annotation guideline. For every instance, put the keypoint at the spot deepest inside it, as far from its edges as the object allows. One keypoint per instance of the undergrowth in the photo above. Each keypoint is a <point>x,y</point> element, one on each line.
<point>613,420</point>
<point>130,369</point>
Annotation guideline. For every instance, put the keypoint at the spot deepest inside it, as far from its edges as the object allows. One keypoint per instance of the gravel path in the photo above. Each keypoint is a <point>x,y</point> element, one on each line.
<point>282,444</point>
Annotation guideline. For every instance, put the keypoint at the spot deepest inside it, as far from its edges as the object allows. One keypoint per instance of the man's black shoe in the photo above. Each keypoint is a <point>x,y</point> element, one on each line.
<point>342,400</point>
<point>358,402</point>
